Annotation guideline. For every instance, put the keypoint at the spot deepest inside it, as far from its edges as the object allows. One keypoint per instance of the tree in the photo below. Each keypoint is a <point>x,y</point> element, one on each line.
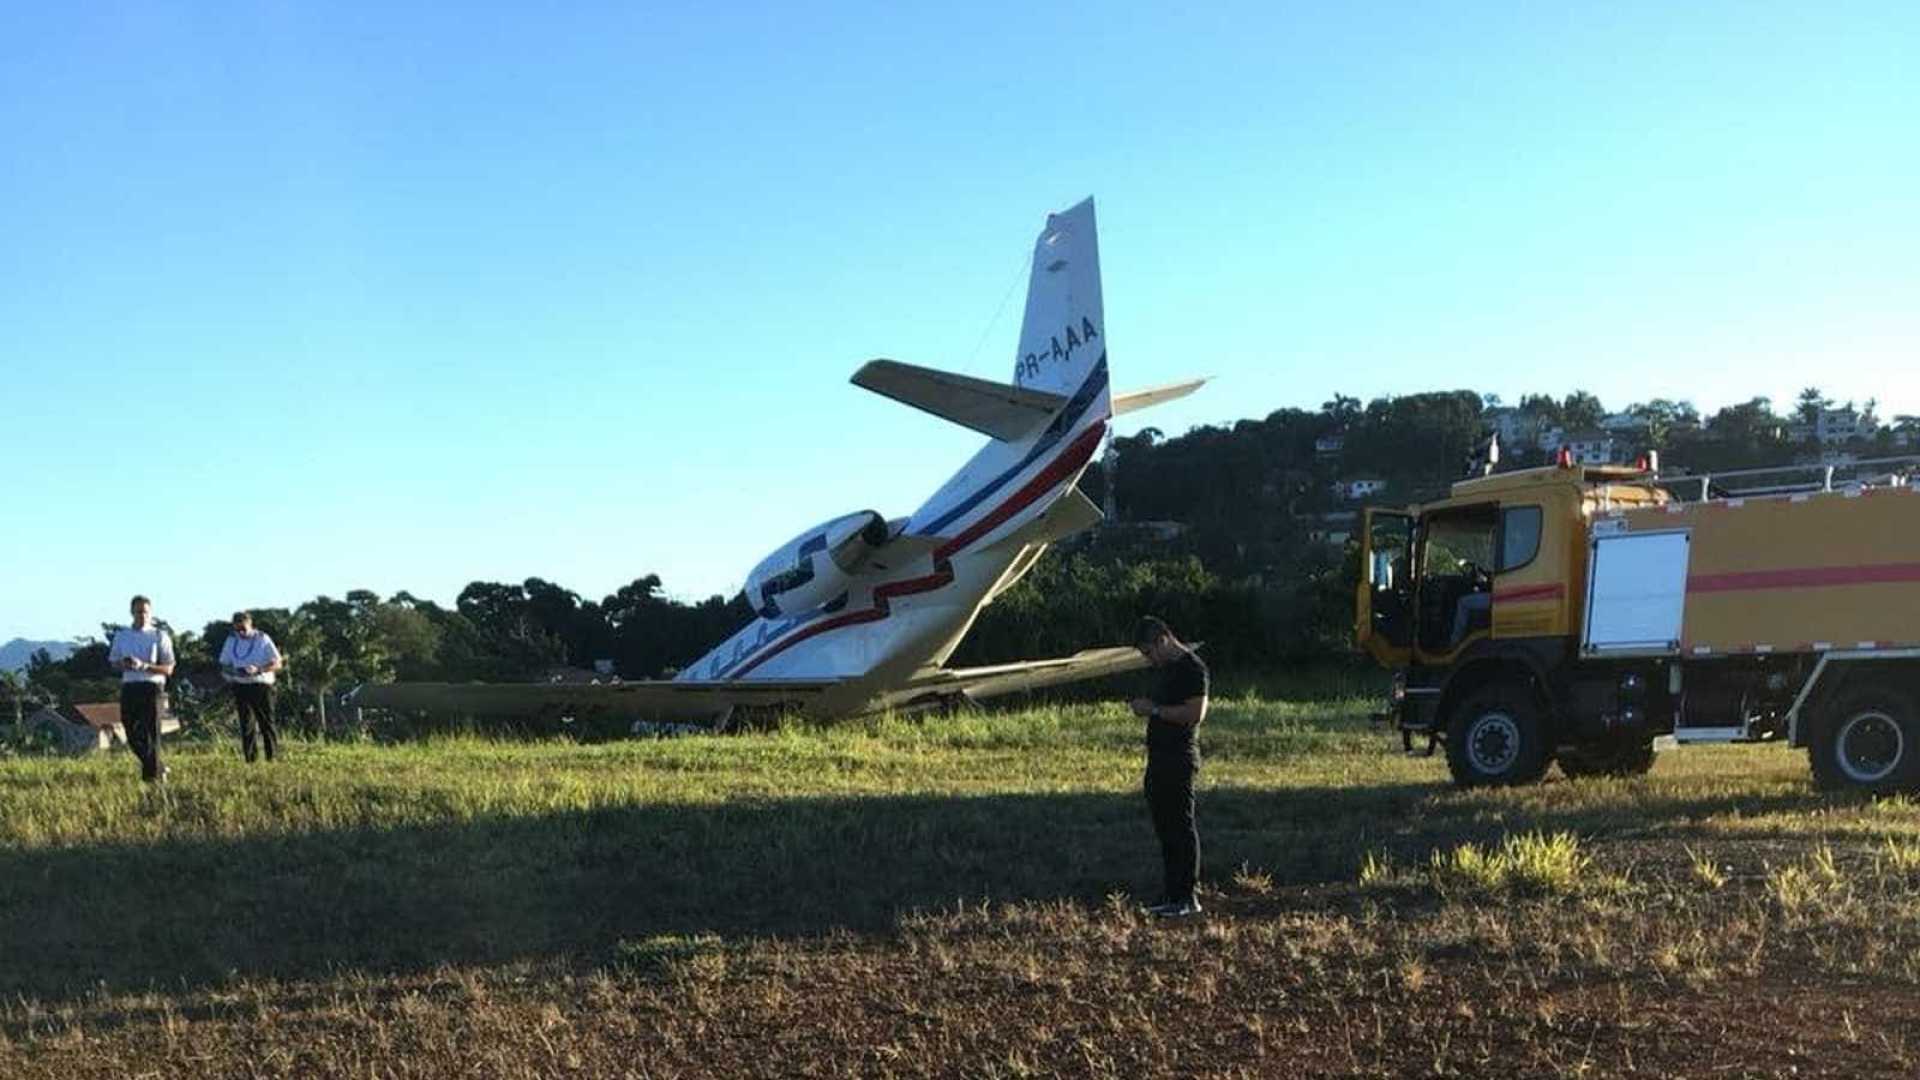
<point>1422,438</point>
<point>13,687</point>
<point>1752,419</point>
<point>82,677</point>
<point>347,647</point>
<point>1812,404</point>
<point>1582,411</point>
<point>1342,410</point>
<point>410,637</point>
<point>1662,416</point>
<point>1543,409</point>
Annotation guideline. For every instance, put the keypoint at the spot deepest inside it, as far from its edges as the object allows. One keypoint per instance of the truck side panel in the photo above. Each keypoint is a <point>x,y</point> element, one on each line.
<point>1799,573</point>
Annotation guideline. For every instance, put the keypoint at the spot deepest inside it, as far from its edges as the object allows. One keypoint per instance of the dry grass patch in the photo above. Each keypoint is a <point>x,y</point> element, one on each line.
<point>949,897</point>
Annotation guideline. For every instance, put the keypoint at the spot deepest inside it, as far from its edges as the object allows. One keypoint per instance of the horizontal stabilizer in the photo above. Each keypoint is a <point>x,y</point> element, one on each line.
<point>1134,400</point>
<point>1007,413</point>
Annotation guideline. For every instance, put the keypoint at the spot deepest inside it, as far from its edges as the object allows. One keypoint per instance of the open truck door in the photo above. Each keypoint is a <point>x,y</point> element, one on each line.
<point>1383,602</point>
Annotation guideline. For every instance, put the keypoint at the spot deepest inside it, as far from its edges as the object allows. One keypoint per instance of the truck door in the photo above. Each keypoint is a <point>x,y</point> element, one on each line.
<point>1383,608</point>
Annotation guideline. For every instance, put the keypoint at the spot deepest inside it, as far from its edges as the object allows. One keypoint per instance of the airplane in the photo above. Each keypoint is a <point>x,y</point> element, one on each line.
<point>859,614</point>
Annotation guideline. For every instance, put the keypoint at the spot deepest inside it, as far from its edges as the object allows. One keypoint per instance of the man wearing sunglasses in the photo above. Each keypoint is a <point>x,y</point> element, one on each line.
<point>1173,714</point>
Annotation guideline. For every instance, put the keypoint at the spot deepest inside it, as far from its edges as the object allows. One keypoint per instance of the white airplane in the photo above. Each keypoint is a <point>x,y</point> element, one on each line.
<point>860,614</point>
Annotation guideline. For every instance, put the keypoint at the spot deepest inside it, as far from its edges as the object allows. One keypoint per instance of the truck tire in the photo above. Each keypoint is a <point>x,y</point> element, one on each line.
<point>1632,757</point>
<point>1497,737</point>
<point>1869,742</point>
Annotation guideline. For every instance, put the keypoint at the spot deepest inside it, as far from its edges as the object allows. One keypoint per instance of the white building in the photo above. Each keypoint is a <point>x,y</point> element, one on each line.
<point>1515,428</point>
<point>1836,426</point>
<point>1358,489</point>
<point>1590,447</point>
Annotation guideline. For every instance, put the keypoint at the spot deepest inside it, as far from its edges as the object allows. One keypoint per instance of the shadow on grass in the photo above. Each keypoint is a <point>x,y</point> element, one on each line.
<point>573,886</point>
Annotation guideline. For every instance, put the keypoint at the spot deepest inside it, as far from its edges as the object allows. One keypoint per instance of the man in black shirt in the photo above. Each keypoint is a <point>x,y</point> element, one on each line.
<point>1173,714</point>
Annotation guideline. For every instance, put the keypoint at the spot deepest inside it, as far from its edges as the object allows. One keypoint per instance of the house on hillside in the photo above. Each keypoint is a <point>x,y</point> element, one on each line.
<point>1357,489</point>
<point>1335,527</point>
<point>562,675</point>
<point>1836,426</point>
<point>1625,424</point>
<point>86,729</point>
<point>1161,531</point>
<point>1328,445</point>
<point>1587,447</point>
<point>1515,427</point>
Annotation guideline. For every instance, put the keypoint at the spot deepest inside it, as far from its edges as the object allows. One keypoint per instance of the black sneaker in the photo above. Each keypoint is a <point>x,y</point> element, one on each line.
<point>1184,910</point>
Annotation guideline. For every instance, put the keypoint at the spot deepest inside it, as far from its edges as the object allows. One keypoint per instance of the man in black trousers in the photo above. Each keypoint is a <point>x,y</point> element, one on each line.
<point>1173,715</point>
<point>143,654</point>
<point>248,661</point>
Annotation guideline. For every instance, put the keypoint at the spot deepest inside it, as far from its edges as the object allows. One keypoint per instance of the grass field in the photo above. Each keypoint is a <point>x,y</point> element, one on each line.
<point>953,896</point>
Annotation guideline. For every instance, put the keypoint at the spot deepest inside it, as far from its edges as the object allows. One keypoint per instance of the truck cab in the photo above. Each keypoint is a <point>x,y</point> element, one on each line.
<point>1480,590</point>
<point>1576,614</point>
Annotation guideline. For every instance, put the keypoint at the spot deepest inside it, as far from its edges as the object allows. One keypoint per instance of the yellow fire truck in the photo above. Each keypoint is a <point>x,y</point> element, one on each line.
<point>1575,614</point>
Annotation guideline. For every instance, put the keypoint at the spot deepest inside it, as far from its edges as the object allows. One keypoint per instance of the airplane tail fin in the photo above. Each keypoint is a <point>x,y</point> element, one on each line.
<point>1063,336</point>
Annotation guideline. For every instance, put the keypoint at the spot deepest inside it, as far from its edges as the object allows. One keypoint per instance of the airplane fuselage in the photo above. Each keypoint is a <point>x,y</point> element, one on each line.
<point>909,604</point>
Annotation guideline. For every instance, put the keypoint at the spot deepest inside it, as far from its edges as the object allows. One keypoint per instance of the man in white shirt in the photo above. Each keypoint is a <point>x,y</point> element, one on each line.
<point>143,653</point>
<point>248,661</point>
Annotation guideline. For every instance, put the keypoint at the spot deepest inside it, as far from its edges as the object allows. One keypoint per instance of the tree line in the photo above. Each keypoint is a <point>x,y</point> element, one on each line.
<point>1224,531</point>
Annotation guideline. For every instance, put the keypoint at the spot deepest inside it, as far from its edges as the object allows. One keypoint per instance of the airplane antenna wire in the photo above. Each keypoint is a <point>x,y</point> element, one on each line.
<point>1018,270</point>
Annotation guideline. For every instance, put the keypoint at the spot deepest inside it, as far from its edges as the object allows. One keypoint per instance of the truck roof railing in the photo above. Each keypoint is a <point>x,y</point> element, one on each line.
<point>1781,479</point>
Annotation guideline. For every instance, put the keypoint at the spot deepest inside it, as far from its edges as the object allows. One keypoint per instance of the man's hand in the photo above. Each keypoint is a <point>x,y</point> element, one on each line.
<point>131,663</point>
<point>1141,707</point>
<point>251,669</point>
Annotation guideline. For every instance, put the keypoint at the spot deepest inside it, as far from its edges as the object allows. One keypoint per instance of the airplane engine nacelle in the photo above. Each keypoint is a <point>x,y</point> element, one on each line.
<point>815,567</point>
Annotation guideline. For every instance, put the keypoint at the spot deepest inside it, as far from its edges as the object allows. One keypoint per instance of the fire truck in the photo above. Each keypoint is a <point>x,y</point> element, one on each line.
<point>1577,615</point>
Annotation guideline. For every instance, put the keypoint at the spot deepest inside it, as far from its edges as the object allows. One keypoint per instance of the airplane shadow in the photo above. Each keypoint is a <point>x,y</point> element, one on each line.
<point>575,886</point>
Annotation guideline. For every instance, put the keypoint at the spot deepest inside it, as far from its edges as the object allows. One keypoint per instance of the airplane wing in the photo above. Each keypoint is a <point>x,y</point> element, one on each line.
<point>691,702</point>
<point>981,683</point>
<point>1007,413</point>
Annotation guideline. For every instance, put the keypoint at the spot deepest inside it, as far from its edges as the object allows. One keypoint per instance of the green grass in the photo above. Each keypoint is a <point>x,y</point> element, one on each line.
<point>955,889</point>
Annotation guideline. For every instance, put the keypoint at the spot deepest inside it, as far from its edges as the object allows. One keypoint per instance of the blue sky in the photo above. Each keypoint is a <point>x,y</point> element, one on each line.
<point>300,298</point>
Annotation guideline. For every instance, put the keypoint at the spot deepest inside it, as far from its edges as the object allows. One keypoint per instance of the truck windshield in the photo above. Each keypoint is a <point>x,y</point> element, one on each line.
<point>1456,570</point>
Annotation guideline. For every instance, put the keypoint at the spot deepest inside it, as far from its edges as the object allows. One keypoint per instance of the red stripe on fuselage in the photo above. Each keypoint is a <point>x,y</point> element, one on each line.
<point>1077,454</point>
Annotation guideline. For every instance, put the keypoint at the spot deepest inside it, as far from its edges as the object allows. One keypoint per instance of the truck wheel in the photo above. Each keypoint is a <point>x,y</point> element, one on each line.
<point>1633,757</point>
<point>1497,736</point>
<point>1871,742</point>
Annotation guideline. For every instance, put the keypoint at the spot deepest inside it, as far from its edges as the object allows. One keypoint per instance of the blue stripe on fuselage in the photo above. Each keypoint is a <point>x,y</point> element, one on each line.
<point>1069,415</point>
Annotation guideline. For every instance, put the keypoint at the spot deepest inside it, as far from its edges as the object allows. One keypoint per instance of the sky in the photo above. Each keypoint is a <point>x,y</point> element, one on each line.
<point>302,298</point>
